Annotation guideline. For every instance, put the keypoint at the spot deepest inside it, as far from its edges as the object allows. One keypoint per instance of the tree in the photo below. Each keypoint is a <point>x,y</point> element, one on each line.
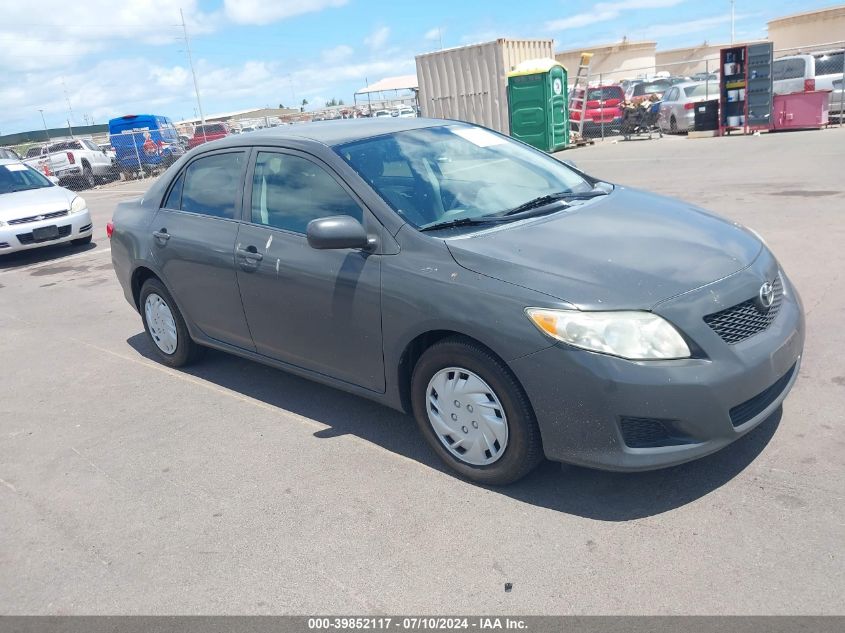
<point>281,106</point>
<point>304,103</point>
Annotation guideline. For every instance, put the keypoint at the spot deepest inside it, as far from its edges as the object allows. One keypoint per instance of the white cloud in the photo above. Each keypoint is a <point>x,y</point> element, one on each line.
<point>337,54</point>
<point>264,12</point>
<point>434,34</point>
<point>606,11</point>
<point>378,38</point>
<point>693,26</point>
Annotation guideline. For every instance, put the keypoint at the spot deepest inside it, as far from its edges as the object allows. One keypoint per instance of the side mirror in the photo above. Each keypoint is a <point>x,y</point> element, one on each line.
<point>53,179</point>
<point>336,232</point>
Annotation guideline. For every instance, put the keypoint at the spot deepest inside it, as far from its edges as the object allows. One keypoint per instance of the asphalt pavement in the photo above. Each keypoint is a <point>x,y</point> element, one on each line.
<point>130,488</point>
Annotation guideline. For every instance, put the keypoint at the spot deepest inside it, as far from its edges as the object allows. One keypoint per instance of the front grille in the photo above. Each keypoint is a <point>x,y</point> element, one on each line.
<point>650,433</point>
<point>750,409</point>
<point>27,238</point>
<point>39,217</point>
<point>745,319</point>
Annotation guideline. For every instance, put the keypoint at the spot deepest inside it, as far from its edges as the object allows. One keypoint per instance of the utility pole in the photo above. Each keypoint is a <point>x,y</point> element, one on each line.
<point>732,21</point>
<point>67,99</point>
<point>47,134</point>
<point>193,72</point>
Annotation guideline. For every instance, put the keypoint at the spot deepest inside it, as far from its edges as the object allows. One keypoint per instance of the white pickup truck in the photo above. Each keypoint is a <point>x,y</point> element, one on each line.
<point>77,161</point>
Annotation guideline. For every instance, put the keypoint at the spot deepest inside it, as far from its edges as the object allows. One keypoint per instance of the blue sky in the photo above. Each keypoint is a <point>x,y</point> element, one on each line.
<point>108,57</point>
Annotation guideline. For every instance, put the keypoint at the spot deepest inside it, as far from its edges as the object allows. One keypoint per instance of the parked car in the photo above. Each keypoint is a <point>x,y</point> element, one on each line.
<point>208,132</point>
<point>35,212</point>
<point>144,142</point>
<point>381,113</point>
<point>677,110</point>
<point>603,110</point>
<point>108,150</point>
<point>811,71</point>
<point>74,161</point>
<point>517,306</point>
<point>644,90</point>
<point>9,153</point>
<point>705,77</point>
<point>405,112</point>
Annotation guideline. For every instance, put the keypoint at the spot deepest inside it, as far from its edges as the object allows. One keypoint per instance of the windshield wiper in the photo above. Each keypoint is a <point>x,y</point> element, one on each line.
<point>459,222</point>
<point>542,201</point>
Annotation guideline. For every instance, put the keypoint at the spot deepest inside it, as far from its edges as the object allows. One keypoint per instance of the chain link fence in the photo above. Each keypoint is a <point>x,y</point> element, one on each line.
<point>663,96</point>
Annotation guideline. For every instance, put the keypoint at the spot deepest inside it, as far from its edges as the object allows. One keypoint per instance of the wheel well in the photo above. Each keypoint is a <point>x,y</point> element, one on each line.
<point>412,353</point>
<point>140,275</point>
<point>85,162</point>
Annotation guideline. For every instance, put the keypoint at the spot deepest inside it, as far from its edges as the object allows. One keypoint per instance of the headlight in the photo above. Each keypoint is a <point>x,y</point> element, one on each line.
<point>630,334</point>
<point>78,205</point>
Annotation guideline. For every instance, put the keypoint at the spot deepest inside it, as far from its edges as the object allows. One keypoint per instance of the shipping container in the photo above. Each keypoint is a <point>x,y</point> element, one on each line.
<point>470,83</point>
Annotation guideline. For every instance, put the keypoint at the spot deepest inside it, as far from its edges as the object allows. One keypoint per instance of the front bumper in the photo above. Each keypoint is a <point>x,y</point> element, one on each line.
<point>20,237</point>
<point>583,400</point>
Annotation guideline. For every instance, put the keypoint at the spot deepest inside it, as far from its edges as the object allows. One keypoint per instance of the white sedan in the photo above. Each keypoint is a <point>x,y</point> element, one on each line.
<point>35,212</point>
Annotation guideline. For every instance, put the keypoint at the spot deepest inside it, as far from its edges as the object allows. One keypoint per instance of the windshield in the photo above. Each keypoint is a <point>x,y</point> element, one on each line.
<point>32,152</point>
<point>214,128</point>
<point>19,177</point>
<point>437,174</point>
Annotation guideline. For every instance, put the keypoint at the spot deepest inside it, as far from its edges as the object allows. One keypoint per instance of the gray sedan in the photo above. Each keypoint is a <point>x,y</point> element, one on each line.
<point>677,111</point>
<point>518,307</point>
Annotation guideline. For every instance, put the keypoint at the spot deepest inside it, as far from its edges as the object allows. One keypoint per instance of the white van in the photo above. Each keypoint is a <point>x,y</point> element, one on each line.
<point>811,71</point>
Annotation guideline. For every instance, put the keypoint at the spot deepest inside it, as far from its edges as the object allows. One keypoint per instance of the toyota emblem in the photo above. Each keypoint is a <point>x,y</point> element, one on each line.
<point>767,295</point>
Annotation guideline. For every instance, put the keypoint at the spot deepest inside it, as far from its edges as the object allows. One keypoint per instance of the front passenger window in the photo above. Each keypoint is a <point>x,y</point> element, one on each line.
<point>288,192</point>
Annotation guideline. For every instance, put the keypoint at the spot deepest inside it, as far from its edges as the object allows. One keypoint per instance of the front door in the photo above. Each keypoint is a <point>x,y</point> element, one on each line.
<point>194,235</point>
<point>317,309</point>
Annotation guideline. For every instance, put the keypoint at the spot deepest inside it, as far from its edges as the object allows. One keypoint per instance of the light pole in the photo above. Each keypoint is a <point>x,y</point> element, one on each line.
<point>47,134</point>
<point>732,21</point>
<point>193,73</point>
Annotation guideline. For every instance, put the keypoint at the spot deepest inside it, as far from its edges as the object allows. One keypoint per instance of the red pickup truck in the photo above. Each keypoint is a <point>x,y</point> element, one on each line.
<point>208,132</point>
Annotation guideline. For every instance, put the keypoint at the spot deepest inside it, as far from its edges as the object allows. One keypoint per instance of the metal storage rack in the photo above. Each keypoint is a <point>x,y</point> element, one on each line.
<point>745,94</point>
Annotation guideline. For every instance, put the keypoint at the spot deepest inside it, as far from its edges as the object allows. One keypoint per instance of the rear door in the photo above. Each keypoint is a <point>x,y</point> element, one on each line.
<point>194,235</point>
<point>317,309</point>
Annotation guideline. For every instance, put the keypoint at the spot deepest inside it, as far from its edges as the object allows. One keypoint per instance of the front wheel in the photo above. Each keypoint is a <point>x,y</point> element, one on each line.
<point>166,327</point>
<point>474,413</point>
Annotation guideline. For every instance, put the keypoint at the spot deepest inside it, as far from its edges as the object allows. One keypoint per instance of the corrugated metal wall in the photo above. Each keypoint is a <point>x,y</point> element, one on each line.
<point>470,83</point>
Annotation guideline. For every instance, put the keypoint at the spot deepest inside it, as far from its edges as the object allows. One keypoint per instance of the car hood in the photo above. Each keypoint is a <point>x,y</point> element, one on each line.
<point>627,250</point>
<point>22,204</point>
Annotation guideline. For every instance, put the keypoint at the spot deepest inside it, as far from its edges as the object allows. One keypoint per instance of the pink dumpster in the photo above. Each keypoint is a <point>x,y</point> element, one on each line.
<point>800,110</point>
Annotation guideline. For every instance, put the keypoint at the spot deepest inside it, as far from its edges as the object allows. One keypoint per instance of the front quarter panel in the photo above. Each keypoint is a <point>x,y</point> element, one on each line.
<point>425,290</point>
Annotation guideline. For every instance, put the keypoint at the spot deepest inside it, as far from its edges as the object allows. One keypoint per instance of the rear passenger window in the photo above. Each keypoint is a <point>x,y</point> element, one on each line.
<point>213,185</point>
<point>787,69</point>
<point>174,198</point>
<point>288,192</point>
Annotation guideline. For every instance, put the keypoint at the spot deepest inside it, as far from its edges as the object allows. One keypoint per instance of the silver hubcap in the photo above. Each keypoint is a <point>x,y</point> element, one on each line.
<point>161,323</point>
<point>466,416</point>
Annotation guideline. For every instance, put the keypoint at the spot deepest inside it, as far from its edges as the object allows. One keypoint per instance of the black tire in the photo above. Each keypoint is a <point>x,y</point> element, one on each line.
<point>82,241</point>
<point>524,450</point>
<point>673,125</point>
<point>87,180</point>
<point>187,351</point>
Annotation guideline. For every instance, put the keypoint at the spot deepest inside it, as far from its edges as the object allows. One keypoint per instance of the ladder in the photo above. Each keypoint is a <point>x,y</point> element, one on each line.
<point>578,98</point>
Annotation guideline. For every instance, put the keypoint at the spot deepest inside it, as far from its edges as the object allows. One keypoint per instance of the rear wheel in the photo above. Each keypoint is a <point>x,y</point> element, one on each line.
<point>166,327</point>
<point>673,125</point>
<point>86,180</point>
<point>474,413</point>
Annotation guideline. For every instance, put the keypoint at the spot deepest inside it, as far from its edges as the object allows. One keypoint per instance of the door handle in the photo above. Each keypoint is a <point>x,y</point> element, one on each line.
<point>162,235</point>
<point>251,254</point>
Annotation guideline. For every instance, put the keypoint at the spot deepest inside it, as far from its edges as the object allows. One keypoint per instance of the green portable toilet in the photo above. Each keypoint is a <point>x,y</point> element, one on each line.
<point>538,105</point>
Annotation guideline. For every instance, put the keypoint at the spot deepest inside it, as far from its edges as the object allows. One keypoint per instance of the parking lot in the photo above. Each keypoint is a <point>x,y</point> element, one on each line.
<point>128,487</point>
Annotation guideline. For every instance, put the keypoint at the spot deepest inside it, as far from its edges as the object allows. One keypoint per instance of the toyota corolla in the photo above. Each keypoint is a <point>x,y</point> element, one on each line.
<point>518,307</point>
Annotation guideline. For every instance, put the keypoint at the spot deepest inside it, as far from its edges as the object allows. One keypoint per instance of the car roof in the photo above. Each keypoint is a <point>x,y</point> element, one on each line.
<point>10,161</point>
<point>339,131</point>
